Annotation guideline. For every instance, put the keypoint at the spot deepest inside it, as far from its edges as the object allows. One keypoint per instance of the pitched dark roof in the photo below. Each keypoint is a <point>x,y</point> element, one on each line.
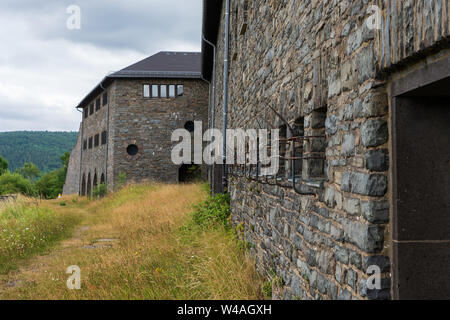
<point>163,65</point>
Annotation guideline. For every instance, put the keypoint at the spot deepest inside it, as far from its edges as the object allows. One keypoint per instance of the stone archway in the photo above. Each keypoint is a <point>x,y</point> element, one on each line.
<point>83,185</point>
<point>189,173</point>
<point>89,186</point>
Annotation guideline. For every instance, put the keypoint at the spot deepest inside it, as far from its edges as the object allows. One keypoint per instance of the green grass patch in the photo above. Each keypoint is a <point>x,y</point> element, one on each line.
<point>27,229</point>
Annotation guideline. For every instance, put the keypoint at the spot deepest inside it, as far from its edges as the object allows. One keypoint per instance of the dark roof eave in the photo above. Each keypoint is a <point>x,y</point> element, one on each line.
<point>212,11</point>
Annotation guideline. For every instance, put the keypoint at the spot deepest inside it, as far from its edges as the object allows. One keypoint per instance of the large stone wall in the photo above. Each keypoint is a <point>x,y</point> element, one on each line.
<point>72,185</point>
<point>303,57</point>
<point>149,124</point>
<point>129,118</point>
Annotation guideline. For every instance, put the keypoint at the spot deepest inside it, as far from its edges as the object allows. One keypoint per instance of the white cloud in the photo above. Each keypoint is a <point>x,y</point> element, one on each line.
<point>45,70</point>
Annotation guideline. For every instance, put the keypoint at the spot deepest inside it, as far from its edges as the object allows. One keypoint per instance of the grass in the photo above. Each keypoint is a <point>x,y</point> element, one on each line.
<point>161,252</point>
<point>27,229</point>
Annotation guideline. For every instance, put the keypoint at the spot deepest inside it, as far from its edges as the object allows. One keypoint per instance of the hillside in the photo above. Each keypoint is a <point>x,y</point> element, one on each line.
<point>43,148</point>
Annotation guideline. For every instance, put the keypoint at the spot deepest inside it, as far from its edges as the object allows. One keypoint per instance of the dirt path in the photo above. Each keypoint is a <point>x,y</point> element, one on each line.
<point>31,269</point>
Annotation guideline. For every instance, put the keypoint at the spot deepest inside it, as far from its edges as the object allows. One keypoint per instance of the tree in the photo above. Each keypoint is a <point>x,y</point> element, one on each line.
<point>29,171</point>
<point>12,183</point>
<point>51,184</point>
<point>3,165</point>
<point>48,186</point>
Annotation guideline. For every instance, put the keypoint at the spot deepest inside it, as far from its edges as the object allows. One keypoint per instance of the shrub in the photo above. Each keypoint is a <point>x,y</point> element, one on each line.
<point>13,183</point>
<point>121,180</point>
<point>215,210</point>
<point>100,191</point>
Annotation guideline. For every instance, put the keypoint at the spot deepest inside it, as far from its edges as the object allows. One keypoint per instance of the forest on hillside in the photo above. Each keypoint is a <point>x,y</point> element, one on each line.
<point>43,148</point>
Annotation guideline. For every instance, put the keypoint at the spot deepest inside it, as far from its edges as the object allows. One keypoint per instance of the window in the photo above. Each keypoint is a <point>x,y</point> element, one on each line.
<point>105,98</point>
<point>96,140</point>
<point>315,146</point>
<point>146,89</point>
<point>86,112</point>
<point>180,90</point>
<point>132,150</point>
<point>155,91</point>
<point>91,109</point>
<point>90,143</point>
<point>84,144</point>
<point>299,132</point>
<point>172,91</point>
<point>163,90</point>
<point>97,104</point>
<point>104,136</point>
<point>282,150</point>
<point>189,126</point>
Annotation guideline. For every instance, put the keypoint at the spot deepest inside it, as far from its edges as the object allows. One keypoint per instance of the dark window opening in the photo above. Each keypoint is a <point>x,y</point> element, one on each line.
<point>96,140</point>
<point>84,144</point>
<point>189,173</point>
<point>315,147</point>
<point>189,126</point>
<point>298,134</point>
<point>132,149</point>
<point>86,112</point>
<point>105,98</point>
<point>90,143</point>
<point>97,104</point>
<point>102,179</point>
<point>104,136</point>
<point>282,152</point>
<point>91,109</point>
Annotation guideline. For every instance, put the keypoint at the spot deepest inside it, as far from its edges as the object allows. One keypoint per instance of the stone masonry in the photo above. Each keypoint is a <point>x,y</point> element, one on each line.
<point>320,66</point>
<point>117,115</point>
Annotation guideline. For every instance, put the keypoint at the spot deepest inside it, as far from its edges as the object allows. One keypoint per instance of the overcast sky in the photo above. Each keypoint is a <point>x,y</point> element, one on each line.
<point>46,69</point>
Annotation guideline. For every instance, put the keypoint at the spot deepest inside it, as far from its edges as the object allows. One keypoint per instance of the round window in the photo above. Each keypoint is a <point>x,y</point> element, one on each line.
<point>132,150</point>
<point>189,126</point>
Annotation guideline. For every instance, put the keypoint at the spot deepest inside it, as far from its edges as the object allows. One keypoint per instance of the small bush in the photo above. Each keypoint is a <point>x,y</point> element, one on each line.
<point>215,210</point>
<point>100,191</point>
<point>121,180</point>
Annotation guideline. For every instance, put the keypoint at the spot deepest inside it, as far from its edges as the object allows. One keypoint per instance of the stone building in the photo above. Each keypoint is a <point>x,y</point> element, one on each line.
<point>360,88</point>
<point>129,118</point>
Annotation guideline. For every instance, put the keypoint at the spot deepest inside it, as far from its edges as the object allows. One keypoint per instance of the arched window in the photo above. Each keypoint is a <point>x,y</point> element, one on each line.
<point>102,179</point>
<point>95,180</point>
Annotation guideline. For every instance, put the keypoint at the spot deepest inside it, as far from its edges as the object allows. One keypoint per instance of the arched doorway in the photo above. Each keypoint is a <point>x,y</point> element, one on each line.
<point>189,173</point>
<point>83,185</point>
<point>95,181</point>
<point>89,186</point>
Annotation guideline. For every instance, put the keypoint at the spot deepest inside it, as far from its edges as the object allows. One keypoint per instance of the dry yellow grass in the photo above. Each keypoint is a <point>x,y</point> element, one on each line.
<point>154,257</point>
